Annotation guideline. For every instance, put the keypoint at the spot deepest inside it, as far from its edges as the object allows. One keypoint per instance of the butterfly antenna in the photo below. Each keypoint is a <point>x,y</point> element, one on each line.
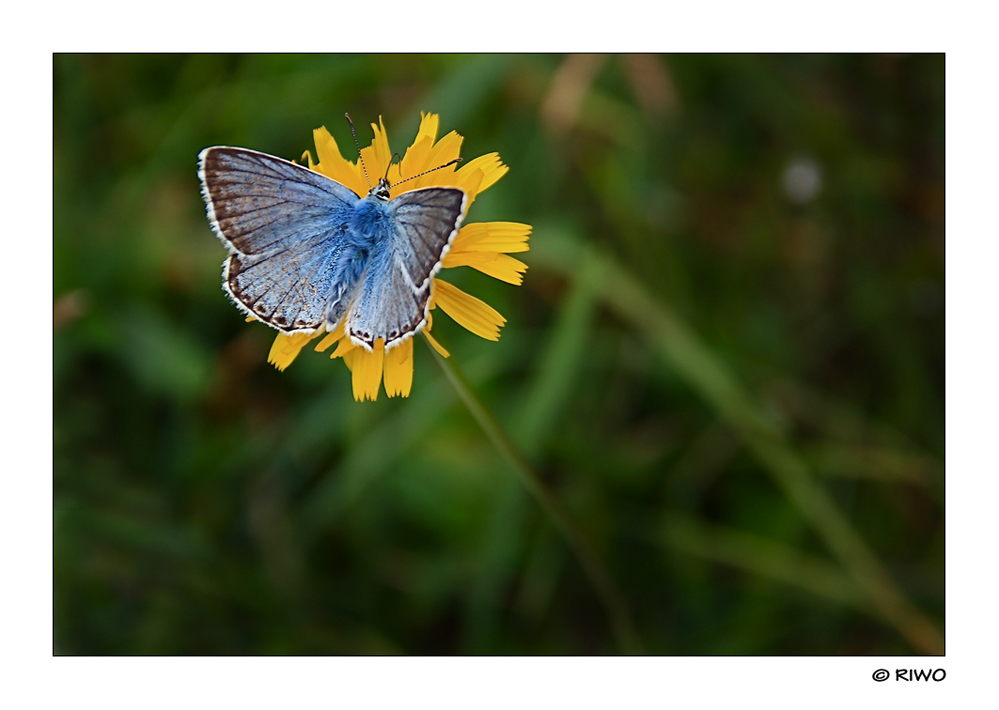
<point>452,162</point>
<point>354,133</point>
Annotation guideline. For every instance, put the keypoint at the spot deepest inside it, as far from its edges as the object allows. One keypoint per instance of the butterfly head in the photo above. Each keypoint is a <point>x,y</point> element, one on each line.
<point>381,190</point>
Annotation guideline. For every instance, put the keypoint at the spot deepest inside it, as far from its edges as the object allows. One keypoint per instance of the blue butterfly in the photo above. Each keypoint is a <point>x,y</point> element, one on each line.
<point>307,253</point>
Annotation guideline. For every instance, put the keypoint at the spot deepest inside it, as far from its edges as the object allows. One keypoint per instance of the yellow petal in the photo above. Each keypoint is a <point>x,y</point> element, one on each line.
<point>348,358</point>
<point>415,162</point>
<point>429,123</point>
<point>286,348</point>
<point>330,339</point>
<point>468,311</point>
<point>398,367</point>
<point>333,165</point>
<point>447,149</point>
<point>366,371</point>
<point>470,184</point>
<point>491,166</point>
<point>503,237</point>
<point>499,266</point>
<point>344,347</point>
<point>370,168</point>
<point>382,152</point>
<point>326,148</point>
<point>437,346</point>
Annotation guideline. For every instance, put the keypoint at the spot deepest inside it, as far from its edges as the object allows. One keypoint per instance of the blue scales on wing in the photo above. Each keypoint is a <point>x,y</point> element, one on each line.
<point>285,227</point>
<point>392,300</point>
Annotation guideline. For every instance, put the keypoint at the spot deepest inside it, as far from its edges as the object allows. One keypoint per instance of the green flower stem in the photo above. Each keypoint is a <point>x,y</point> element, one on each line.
<point>707,374</point>
<point>604,585</point>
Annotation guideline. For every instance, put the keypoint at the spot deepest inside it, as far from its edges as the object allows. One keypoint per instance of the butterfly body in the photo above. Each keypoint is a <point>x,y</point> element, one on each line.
<point>307,253</point>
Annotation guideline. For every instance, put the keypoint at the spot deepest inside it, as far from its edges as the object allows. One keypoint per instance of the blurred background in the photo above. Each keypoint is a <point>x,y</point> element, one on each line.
<point>726,362</point>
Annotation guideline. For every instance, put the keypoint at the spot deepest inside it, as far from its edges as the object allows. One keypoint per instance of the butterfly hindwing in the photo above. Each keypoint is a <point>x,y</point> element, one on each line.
<point>392,301</point>
<point>284,225</point>
<point>286,289</point>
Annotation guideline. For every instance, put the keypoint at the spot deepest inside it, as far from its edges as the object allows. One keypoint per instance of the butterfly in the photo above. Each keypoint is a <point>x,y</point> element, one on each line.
<point>308,253</point>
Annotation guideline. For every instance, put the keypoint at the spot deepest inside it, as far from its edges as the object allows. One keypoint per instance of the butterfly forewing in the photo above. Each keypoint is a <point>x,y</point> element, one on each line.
<point>258,203</point>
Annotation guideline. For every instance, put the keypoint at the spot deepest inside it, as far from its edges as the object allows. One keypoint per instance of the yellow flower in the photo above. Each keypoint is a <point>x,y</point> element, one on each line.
<point>484,246</point>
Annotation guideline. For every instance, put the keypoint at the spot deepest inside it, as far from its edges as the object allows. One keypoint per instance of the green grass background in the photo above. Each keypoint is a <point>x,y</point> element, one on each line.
<point>737,397</point>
